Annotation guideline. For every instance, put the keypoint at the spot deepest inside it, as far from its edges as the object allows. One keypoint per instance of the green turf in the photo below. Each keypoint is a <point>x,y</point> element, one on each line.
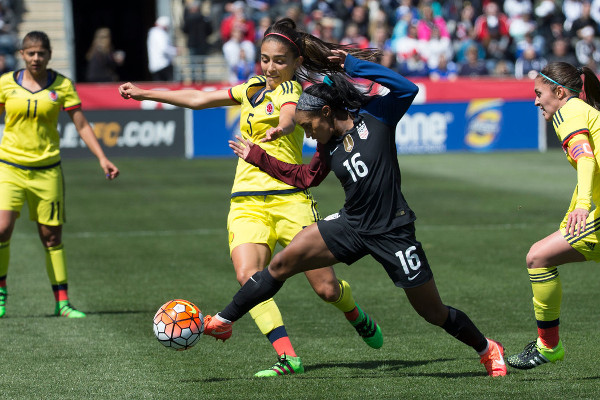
<point>158,232</point>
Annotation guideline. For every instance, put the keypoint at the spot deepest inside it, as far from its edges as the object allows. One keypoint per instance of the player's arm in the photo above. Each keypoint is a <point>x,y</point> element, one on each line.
<point>188,98</point>
<point>580,151</point>
<point>287,123</point>
<point>87,134</point>
<point>301,176</point>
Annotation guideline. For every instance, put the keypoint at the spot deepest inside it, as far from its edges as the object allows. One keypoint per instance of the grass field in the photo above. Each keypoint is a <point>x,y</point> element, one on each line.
<point>158,232</point>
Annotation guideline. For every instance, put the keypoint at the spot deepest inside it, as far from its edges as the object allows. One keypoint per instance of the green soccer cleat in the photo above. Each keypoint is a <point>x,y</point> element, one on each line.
<point>66,310</point>
<point>286,365</point>
<point>368,329</point>
<point>534,354</point>
<point>3,296</point>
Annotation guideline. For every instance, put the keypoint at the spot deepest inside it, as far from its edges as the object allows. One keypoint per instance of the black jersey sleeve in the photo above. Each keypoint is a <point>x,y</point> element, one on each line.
<point>391,107</point>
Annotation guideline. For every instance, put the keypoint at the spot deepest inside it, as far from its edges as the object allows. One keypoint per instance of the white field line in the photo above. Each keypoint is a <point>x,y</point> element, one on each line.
<point>204,232</point>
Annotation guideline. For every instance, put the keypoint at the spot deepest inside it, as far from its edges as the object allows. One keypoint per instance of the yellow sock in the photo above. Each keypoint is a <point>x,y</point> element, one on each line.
<point>56,264</point>
<point>547,293</point>
<point>4,257</point>
<point>346,301</point>
<point>267,316</point>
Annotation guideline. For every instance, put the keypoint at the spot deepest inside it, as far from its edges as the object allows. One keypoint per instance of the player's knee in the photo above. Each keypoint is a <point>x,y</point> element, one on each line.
<point>328,292</point>
<point>282,266</point>
<point>435,316</point>
<point>535,259</point>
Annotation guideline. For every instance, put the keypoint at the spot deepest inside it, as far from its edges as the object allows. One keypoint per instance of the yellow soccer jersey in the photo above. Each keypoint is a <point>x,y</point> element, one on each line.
<point>256,118</point>
<point>31,137</point>
<point>578,117</point>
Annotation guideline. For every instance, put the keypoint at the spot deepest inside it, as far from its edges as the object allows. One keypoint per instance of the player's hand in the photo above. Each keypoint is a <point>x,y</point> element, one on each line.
<point>339,57</point>
<point>272,134</point>
<point>576,221</point>
<point>110,169</point>
<point>130,91</point>
<point>241,148</point>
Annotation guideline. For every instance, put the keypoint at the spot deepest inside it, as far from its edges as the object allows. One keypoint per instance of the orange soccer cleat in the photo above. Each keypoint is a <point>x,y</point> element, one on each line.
<point>493,359</point>
<point>218,327</point>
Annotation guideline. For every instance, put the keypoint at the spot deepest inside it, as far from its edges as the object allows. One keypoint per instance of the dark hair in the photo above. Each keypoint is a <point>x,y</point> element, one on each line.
<point>35,37</point>
<point>340,93</point>
<point>314,50</point>
<point>569,77</point>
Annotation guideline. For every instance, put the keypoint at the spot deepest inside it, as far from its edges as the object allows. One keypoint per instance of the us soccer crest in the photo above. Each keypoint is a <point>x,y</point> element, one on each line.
<point>269,108</point>
<point>362,130</point>
<point>348,143</point>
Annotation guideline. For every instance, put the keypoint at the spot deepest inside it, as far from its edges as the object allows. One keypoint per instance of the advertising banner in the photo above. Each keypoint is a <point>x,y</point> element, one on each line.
<point>131,133</point>
<point>478,125</point>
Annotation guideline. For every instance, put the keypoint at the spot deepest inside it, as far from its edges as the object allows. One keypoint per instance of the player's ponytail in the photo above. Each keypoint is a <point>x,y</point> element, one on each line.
<point>591,87</point>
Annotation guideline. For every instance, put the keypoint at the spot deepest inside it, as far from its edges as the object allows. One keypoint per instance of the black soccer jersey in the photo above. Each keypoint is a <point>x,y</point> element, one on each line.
<point>364,159</point>
<point>365,162</point>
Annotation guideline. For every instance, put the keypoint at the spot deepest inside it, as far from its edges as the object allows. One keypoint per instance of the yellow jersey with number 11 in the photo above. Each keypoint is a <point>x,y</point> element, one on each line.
<point>31,137</point>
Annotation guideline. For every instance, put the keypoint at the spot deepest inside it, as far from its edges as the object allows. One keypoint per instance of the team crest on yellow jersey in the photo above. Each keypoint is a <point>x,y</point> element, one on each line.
<point>269,108</point>
<point>348,143</point>
<point>53,95</point>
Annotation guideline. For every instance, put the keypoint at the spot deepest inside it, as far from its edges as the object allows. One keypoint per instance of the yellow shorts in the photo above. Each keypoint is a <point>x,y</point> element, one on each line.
<point>587,241</point>
<point>270,219</point>
<point>42,188</point>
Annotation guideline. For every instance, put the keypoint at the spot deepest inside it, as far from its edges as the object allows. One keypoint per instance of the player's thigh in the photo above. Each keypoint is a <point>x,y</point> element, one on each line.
<point>249,222</point>
<point>401,255</point>
<point>555,249</point>
<point>292,213</point>
<point>13,187</point>
<point>307,251</point>
<point>46,196</point>
<point>249,258</point>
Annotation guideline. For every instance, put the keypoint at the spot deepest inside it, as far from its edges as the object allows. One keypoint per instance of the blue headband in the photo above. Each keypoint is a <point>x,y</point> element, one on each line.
<point>566,87</point>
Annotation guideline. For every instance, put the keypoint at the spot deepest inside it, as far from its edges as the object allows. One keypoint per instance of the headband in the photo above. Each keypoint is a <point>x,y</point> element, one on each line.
<point>566,87</point>
<point>287,38</point>
<point>308,102</point>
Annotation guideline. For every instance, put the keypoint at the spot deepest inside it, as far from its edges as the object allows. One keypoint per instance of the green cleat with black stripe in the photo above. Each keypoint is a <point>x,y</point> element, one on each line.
<point>286,365</point>
<point>3,296</point>
<point>368,329</point>
<point>66,310</point>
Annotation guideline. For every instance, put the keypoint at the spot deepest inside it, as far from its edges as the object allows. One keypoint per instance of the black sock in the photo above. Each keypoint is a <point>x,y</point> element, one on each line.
<point>260,287</point>
<point>459,325</point>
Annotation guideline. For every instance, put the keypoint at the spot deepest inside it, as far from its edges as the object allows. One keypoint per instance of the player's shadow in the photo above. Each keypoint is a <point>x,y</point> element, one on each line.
<point>385,367</point>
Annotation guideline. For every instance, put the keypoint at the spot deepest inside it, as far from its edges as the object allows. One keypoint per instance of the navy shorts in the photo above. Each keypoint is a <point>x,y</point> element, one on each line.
<point>397,250</point>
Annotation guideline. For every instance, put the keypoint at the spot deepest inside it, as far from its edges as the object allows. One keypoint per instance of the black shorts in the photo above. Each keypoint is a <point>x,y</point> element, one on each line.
<point>398,250</point>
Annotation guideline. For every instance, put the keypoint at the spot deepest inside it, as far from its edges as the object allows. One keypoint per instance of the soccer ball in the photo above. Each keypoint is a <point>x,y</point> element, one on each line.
<point>178,324</point>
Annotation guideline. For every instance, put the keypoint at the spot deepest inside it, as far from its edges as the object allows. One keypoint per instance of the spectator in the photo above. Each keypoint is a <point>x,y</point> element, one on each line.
<point>529,64</point>
<point>503,69</point>
<point>238,51</point>
<point>237,18</point>
<point>428,21</point>
<point>406,7</point>
<point>572,10</point>
<point>583,21</point>
<point>244,69</point>
<point>381,40</point>
<point>473,64</point>
<point>8,30</point>
<point>445,69</point>
<point>517,8</point>
<point>414,66</point>
<point>198,28</point>
<point>102,60</point>
<point>353,37</point>
<point>562,51</point>
<point>407,45</point>
<point>587,49</point>
<point>491,30</point>
<point>436,47</point>
<point>160,50</point>
<point>401,28</point>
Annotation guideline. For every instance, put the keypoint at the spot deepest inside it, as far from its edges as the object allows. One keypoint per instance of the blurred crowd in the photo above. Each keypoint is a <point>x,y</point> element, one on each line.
<point>10,16</point>
<point>419,38</point>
